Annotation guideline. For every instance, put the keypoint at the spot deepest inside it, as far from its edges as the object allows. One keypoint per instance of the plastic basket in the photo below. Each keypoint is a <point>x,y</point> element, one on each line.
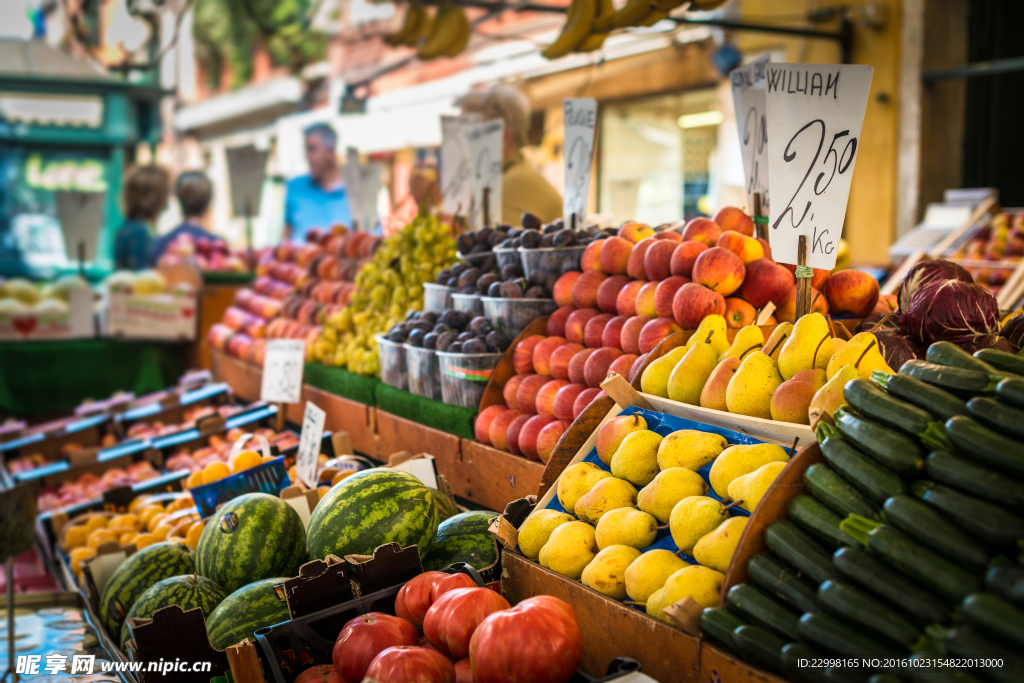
<point>551,261</point>
<point>270,477</point>
<point>511,316</point>
<point>423,372</point>
<point>469,304</point>
<point>464,376</point>
<point>393,369</point>
<point>436,298</point>
<point>507,257</point>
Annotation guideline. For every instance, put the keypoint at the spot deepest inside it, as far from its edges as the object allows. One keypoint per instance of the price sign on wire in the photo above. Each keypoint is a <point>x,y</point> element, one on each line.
<point>485,155</point>
<point>282,371</point>
<point>815,112</point>
<point>748,96</point>
<point>580,116</point>
<point>456,183</point>
<point>309,444</point>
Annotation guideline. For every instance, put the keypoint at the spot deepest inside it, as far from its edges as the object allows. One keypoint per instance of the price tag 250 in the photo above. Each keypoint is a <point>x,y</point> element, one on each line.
<point>748,94</point>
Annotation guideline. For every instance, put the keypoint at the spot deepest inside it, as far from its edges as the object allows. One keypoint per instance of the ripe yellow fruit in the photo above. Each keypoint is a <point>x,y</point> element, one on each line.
<point>96,522</point>
<point>180,503</point>
<point>341,475</point>
<point>99,537</point>
<point>127,537</point>
<point>131,521</point>
<point>322,490</point>
<point>245,460</point>
<point>161,532</point>
<point>142,540</point>
<point>155,520</point>
<point>138,502</point>
<point>76,536</point>
<point>78,556</point>
<point>215,471</point>
<point>195,532</point>
<point>147,513</point>
<point>195,479</point>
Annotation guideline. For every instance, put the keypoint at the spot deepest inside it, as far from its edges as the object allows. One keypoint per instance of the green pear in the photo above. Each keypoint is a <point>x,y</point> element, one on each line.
<point>576,481</point>
<point>690,448</point>
<point>668,488</point>
<point>608,494</point>
<point>611,433</point>
<point>636,460</point>
<point>830,396</point>
<point>780,333</point>
<point>570,548</point>
<point>542,557</point>
<point>607,572</point>
<point>626,526</point>
<point>655,378</point>
<point>748,489</point>
<point>537,528</point>
<point>715,326</point>
<point>693,518</point>
<point>713,394</point>
<point>716,549</point>
<point>691,372</point>
<point>736,461</point>
<point>746,337</point>
<point>750,389</point>
<point>792,398</point>
<point>649,572</point>
<point>655,604</point>
<point>808,346</point>
<point>703,584</point>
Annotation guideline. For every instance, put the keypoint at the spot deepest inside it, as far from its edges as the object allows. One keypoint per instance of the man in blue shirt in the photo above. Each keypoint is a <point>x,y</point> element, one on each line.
<point>318,199</point>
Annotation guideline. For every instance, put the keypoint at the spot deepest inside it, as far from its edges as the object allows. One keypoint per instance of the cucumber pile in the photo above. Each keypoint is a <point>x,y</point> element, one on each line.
<point>909,543</point>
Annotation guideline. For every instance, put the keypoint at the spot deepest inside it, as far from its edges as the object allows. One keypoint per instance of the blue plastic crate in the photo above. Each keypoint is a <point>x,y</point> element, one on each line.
<point>270,477</point>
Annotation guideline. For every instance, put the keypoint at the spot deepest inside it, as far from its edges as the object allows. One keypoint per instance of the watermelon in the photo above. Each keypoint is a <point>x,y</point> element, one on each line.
<point>255,536</point>
<point>188,592</point>
<point>463,538</point>
<point>245,611</point>
<point>445,506</point>
<point>371,508</point>
<point>136,575</point>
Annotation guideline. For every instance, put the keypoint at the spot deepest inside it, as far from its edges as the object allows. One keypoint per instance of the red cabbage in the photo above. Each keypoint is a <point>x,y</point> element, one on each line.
<point>989,341</point>
<point>925,272</point>
<point>1013,330</point>
<point>896,345</point>
<point>950,310</point>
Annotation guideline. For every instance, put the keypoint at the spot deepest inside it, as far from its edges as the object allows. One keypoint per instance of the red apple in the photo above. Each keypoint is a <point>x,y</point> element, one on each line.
<point>591,259</point>
<point>851,292</point>
<point>498,428</point>
<point>635,232</point>
<point>731,218</point>
<point>719,270</point>
<point>653,332</point>
<point>530,432</point>
<point>766,281</point>
<point>738,313</point>
<point>546,396</point>
<point>625,302</point>
<point>526,395</point>
<point>522,357</point>
<point>609,290</point>
<point>615,255</point>
<point>542,354</point>
<point>684,256</point>
<point>512,434</point>
<point>584,292</point>
<point>597,365</point>
<point>612,335</point>
<point>565,399</point>
<point>702,230</point>
<point>575,326</point>
<point>665,293</point>
<point>622,364</point>
<point>693,302</point>
<point>786,311</point>
<point>562,291</point>
<point>658,260</point>
<point>630,335</point>
<point>635,266</point>
<point>747,248</point>
<point>645,300</point>
<point>577,366</point>
<point>560,359</point>
<point>548,438</point>
<point>637,364</point>
<point>510,389</point>
<point>583,400</point>
<point>595,330</point>
<point>482,426</point>
<point>767,248</point>
<point>556,321</point>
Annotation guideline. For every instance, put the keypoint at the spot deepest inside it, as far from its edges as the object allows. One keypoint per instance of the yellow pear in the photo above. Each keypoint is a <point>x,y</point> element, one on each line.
<point>576,481</point>
<point>537,528</point>
<point>608,494</point>
<point>735,461</point>
<point>691,372</point>
<point>542,557</point>
<point>611,433</point>
<point>655,378</point>
<point>830,396</point>
<point>655,604</point>
<point>668,488</point>
<point>626,526</point>
<point>649,572</point>
<point>703,584</point>
<point>746,337</point>
<point>607,572</point>
<point>715,326</point>
<point>716,549</point>
<point>636,460</point>
<point>570,549</point>
<point>864,356</point>
<point>808,346</point>
<point>693,518</point>
<point>771,344</point>
<point>749,488</point>
<point>690,448</point>
<point>750,389</point>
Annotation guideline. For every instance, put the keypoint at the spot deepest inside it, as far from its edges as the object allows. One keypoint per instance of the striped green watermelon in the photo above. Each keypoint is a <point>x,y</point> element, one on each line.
<point>445,506</point>
<point>188,592</point>
<point>247,610</point>
<point>255,536</point>
<point>136,575</point>
<point>369,509</point>
<point>464,538</point>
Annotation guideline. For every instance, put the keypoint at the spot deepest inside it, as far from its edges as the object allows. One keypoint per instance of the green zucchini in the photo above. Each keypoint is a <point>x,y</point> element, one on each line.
<point>717,625</point>
<point>1001,360</point>
<point>868,400</point>
<point>951,355</point>
<point>853,605</point>
<point>969,477</point>
<point>792,654</point>
<point>769,573</point>
<point>933,673</point>
<point>966,641</point>
<point>985,520</point>
<point>799,550</point>
<point>835,492</point>
<point>760,647</point>
<point>924,523</point>
<point>996,450</point>
<point>819,521</point>
<point>965,383</point>
<point>821,630</point>
<point>998,416</point>
<point>912,558</point>
<point>868,572</point>
<point>762,610</point>
<point>870,478</point>
<point>996,617</point>
<point>1011,390</point>
<point>938,402</point>
<point>900,453</point>
<point>1006,581</point>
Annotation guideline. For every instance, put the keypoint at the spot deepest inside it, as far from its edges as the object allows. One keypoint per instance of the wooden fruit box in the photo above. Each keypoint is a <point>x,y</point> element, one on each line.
<point>505,369</point>
<point>343,415</point>
<point>244,378</point>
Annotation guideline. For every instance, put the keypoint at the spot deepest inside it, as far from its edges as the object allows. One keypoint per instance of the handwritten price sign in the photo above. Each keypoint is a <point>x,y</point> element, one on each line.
<point>748,95</point>
<point>485,153</point>
<point>282,371</point>
<point>815,112</point>
<point>307,460</point>
<point>580,115</point>
<point>456,184</point>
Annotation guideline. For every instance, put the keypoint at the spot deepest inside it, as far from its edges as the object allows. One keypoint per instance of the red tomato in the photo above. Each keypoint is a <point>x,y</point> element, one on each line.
<point>364,638</point>
<point>450,582</point>
<point>454,616</point>
<point>414,598</point>
<point>410,665</point>
<point>537,641</point>
<point>321,674</point>
<point>463,671</point>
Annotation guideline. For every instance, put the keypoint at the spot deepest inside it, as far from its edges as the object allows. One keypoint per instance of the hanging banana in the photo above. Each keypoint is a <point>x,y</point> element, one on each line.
<point>605,8</point>
<point>577,27</point>
<point>412,26</point>
<point>668,5</point>
<point>653,18</point>
<point>629,14</point>
<point>465,29</point>
<point>444,30</point>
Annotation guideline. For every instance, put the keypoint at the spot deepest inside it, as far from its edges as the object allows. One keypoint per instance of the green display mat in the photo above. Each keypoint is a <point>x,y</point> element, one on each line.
<point>227,278</point>
<point>342,382</point>
<point>451,419</point>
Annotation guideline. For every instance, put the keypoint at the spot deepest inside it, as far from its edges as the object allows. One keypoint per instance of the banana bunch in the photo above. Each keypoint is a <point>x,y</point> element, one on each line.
<point>588,22</point>
<point>638,13</point>
<point>448,34</point>
<point>415,24</point>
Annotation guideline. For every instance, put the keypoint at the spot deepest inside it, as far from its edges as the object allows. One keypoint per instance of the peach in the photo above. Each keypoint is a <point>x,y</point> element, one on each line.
<point>766,281</point>
<point>597,365</point>
<point>522,357</point>
<point>645,300</point>
<point>512,434</point>
<point>635,232</point>
<point>482,425</point>
<point>499,428</point>
<point>670,235</point>
<point>546,396</point>
<point>693,302</point>
<point>738,313</point>
<point>625,302</point>
<point>786,311</point>
<point>565,399</point>
<point>702,230</point>
<point>817,280</point>
<point>635,265</point>
<point>719,270</point>
<point>549,437</point>
<point>609,290</point>
<point>653,332</point>
<point>665,292</point>
<point>584,291</point>
<point>556,321</point>
<point>615,255</point>
<point>526,394</point>
<point>510,389</point>
<point>577,366</point>
<point>767,248</point>
<point>560,359</point>
<point>542,354</point>
<point>530,432</point>
<point>684,256</point>
<point>637,364</point>
<point>575,326</point>
<point>852,292</point>
<point>594,330</point>
<point>562,291</point>
<point>887,303</point>
<point>612,335</point>
<point>747,248</point>
<point>731,218</point>
<point>623,364</point>
<point>630,335</point>
<point>591,258</point>
<point>583,400</point>
<point>658,260</point>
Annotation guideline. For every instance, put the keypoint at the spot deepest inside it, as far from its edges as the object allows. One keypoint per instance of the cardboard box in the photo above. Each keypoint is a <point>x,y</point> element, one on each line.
<point>158,316</point>
<point>78,322</point>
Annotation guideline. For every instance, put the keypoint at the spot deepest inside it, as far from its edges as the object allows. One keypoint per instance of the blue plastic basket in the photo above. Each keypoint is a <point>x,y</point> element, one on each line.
<point>270,477</point>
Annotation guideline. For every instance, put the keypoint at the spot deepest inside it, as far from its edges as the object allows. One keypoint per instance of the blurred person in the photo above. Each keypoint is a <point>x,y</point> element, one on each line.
<point>194,192</point>
<point>145,197</point>
<point>317,199</point>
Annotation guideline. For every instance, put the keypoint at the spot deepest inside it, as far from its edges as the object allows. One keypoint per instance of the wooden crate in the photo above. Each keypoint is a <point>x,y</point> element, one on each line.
<point>245,379</point>
<point>718,666</point>
<point>396,434</point>
<point>495,478</point>
<point>358,419</point>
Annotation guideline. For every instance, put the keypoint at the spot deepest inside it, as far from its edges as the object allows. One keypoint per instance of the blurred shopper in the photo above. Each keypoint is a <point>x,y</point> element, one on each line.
<point>194,191</point>
<point>145,196</point>
<point>318,199</point>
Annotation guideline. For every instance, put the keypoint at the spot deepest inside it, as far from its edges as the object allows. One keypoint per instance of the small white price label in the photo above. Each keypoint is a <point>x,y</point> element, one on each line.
<point>486,141</point>
<point>815,112</point>
<point>282,371</point>
<point>309,444</point>
<point>580,117</point>
<point>748,95</point>
<point>456,183</point>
